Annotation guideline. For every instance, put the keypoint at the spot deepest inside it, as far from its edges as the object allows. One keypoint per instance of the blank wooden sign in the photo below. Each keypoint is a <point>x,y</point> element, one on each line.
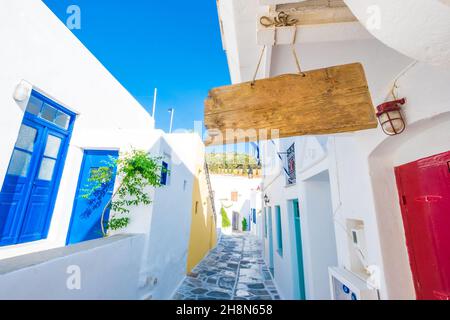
<point>324,101</point>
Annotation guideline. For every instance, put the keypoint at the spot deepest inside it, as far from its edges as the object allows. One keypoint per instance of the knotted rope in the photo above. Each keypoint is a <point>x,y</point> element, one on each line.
<point>282,20</point>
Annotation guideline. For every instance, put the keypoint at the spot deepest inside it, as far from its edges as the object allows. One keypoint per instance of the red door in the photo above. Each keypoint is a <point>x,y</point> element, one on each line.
<point>424,192</point>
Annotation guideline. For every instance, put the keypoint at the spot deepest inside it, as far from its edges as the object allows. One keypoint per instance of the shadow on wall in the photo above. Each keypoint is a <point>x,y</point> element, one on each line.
<point>413,144</point>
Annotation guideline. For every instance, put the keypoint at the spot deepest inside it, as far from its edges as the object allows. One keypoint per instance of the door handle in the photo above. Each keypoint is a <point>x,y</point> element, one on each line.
<point>428,198</point>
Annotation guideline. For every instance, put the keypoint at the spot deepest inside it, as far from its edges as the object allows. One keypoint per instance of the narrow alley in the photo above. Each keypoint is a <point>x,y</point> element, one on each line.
<point>234,270</point>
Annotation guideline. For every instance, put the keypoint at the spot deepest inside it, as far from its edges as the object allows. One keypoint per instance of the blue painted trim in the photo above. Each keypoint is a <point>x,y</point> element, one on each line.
<point>164,173</point>
<point>44,128</point>
<point>279,230</point>
<point>270,231</point>
<point>65,149</point>
<point>22,207</point>
<point>297,252</point>
<point>52,102</point>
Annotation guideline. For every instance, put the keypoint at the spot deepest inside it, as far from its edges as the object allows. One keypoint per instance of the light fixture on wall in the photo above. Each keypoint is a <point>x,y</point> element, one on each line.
<point>22,92</point>
<point>391,118</point>
<point>266,199</point>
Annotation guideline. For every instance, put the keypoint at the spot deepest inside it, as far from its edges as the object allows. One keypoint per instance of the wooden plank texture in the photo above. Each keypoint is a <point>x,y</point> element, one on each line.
<point>325,101</point>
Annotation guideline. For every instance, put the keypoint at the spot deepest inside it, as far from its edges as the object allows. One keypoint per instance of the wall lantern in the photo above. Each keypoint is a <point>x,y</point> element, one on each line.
<point>22,91</point>
<point>390,116</point>
<point>266,199</point>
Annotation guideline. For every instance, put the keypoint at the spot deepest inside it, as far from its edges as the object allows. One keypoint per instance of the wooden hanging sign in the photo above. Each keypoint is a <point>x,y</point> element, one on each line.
<point>325,101</point>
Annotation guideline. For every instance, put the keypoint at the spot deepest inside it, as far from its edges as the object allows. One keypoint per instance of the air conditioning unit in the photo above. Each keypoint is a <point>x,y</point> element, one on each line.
<point>345,285</point>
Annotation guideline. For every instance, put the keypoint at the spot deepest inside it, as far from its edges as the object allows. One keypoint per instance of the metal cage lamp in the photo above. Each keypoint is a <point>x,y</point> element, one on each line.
<point>390,116</point>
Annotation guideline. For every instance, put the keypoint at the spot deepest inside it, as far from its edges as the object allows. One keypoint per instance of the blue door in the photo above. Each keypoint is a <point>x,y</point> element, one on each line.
<point>270,231</point>
<point>86,214</point>
<point>29,190</point>
<point>298,254</point>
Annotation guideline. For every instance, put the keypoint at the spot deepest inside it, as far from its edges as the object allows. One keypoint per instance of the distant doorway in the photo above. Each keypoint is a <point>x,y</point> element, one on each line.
<point>235,222</point>
<point>318,223</point>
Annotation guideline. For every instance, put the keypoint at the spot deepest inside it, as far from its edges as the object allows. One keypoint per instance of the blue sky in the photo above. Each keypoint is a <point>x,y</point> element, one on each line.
<point>172,45</point>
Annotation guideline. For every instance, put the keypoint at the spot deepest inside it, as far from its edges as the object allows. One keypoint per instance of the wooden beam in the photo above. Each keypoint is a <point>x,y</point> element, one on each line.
<point>325,101</point>
<point>320,15</point>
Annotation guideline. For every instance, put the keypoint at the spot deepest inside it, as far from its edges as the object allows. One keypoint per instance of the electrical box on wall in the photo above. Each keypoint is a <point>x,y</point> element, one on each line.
<point>358,238</point>
<point>345,285</point>
<point>357,247</point>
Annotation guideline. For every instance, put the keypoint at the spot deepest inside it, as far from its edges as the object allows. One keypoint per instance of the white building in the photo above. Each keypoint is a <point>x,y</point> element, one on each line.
<point>237,195</point>
<point>62,114</point>
<point>345,187</point>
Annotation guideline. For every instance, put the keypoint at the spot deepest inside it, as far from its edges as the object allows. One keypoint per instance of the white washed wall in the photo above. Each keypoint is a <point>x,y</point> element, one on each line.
<point>317,228</point>
<point>104,269</point>
<point>166,223</point>
<point>222,186</point>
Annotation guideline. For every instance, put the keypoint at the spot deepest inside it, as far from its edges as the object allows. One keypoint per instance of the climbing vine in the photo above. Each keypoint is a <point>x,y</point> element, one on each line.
<point>136,171</point>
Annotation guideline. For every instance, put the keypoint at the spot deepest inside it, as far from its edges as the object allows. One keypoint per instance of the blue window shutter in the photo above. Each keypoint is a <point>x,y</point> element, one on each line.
<point>164,173</point>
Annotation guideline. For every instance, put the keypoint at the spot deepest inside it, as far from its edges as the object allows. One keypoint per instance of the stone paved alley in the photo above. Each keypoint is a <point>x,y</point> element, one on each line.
<point>234,270</point>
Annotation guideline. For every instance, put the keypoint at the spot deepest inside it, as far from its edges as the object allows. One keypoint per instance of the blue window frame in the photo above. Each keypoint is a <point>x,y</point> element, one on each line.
<point>164,173</point>
<point>30,187</point>
<point>254,216</point>
<point>279,230</point>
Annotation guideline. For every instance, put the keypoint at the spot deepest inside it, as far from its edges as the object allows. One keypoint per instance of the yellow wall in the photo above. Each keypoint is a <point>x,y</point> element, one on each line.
<point>203,228</point>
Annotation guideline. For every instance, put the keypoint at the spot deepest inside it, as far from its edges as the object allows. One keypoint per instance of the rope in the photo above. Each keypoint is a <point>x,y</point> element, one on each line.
<point>258,65</point>
<point>282,20</point>
<point>294,53</point>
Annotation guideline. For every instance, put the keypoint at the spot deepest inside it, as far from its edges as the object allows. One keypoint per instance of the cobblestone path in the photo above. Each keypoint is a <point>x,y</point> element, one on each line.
<point>234,270</point>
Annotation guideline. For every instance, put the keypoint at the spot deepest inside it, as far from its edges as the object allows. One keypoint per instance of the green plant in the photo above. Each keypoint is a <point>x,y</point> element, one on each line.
<point>225,221</point>
<point>228,162</point>
<point>244,224</point>
<point>136,171</point>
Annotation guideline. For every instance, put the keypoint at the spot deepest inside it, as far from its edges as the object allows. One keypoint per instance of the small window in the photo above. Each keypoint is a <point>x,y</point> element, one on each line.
<point>52,147</point>
<point>234,196</point>
<point>48,113</point>
<point>290,158</point>
<point>196,207</point>
<point>62,120</point>
<point>279,230</point>
<point>27,138</point>
<point>34,105</point>
<point>21,157</point>
<point>47,169</point>
<point>20,162</point>
<point>164,173</point>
